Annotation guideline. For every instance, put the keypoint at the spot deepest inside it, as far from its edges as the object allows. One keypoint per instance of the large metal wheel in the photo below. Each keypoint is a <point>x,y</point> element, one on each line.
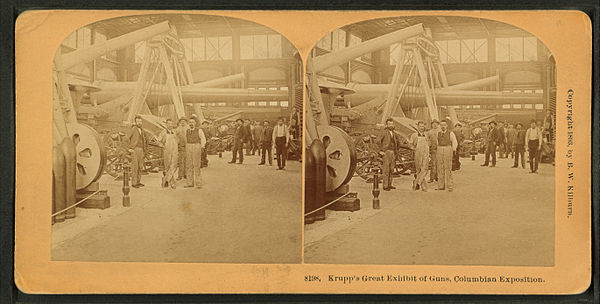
<point>341,156</point>
<point>90,153</point>
<point>116,152</point>
<point>370,158</point>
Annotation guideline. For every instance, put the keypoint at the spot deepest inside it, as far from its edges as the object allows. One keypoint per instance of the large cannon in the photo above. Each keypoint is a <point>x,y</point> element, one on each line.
<point>331,154</point>
<point>88,147</point>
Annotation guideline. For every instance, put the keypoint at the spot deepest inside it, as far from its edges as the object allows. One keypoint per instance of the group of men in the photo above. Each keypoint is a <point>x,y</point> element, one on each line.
<point>437,145</point>
<point>436,150</point>
<point>183,151</point>
<point>514,141</point>
<point>262,139</point>
<point>184,147</point>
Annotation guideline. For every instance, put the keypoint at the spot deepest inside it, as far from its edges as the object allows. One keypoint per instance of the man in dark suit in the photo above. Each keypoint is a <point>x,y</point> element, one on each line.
<point>501,140</point>
<point>493,139</point>
<point>248,136</point>
<point>137,145</point>
<point>388,143</point>
<point>207,134</point>
<point>519,146</point>
<point>238,142</point>
<point>266,143</point>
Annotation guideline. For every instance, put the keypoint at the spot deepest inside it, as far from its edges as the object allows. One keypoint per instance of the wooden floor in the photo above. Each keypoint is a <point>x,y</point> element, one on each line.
<point>494,216</point>
<point>243,214</point>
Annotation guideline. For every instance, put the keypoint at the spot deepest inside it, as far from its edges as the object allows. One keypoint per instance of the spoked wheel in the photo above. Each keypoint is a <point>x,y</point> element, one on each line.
<point>115,144</point>
<point>368,159</point>
<point>116,152</point>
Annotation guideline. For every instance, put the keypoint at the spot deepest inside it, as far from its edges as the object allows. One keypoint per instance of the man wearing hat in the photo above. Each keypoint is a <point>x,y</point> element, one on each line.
<point>519,146</point>
<point>432,138</point>
<point>388,143</point>
<point>238,142</point>
<point>137,145</point>
<point>460,137</point>
<point>493,138</point>
<point>280,139</point>
<point>447,144</point>
<point>169,141</point>
<point>182,126</point>
<point>533,145</point>
<point>207,133</point>
<point>196,141</point>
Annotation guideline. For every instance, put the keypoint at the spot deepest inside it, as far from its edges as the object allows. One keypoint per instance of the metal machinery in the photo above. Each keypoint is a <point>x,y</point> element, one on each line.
<point>165,83</point>
<point>345,119</point>
<point>164,69</point>
<point>78,151</point>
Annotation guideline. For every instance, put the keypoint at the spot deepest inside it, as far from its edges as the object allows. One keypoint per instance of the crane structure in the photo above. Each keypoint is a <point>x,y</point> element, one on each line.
<point>342,119</point>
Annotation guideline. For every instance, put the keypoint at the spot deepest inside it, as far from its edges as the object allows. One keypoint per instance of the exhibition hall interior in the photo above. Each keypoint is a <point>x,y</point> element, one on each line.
<point>430,141</point>
<point>177,138</point>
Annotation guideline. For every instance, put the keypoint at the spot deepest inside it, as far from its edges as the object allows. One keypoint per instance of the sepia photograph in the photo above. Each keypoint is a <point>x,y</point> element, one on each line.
<point>430,141</point>
<point>177,138</point>
<point>273,152</point>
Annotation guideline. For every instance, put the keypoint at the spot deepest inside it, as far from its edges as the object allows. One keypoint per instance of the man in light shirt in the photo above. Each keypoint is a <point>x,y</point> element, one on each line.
<point>196,141</point>
<point>170,142</point>
<point>432,137</point>
<point>446,145</point>
<point>181,142</point>
<point>533,140</point>
<point>281,137</point>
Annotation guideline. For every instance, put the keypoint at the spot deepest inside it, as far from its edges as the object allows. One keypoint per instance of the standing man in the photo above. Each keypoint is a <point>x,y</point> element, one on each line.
<point>205,128</point>
<point>257,133</point>
<point>238,142</point>
<point>169,141</point>
<point>281,137</point>
<point>501,143</point>
<point>420,144</point>
<point>137,147</point>
<point>266,143</point>
<point>485,131</point>
<point>447,144</point>
<point>519,146</point>
<point>388,143</point>
<point>458,133</point>
<point>533,139</point>
<point>511,133</point>
<point>181,141</point>
<point>492,140</point>
<point>196,141</point>
<point>432,137</point>
<point>248,136</point>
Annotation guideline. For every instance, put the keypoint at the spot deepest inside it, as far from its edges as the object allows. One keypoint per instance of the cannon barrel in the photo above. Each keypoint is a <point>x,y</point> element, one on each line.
<point>108,100</point>
<point>219,81</point>
<point>111,86</point>
<point>89,53</point>
<point>474,84</point>
<point>454,98</point>
<point>382,89</point>
<point>338,57</point>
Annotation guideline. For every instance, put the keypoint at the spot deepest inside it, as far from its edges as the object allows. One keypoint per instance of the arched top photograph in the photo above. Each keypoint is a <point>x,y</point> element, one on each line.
<point>157,109</point>
<point>409,103</point>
